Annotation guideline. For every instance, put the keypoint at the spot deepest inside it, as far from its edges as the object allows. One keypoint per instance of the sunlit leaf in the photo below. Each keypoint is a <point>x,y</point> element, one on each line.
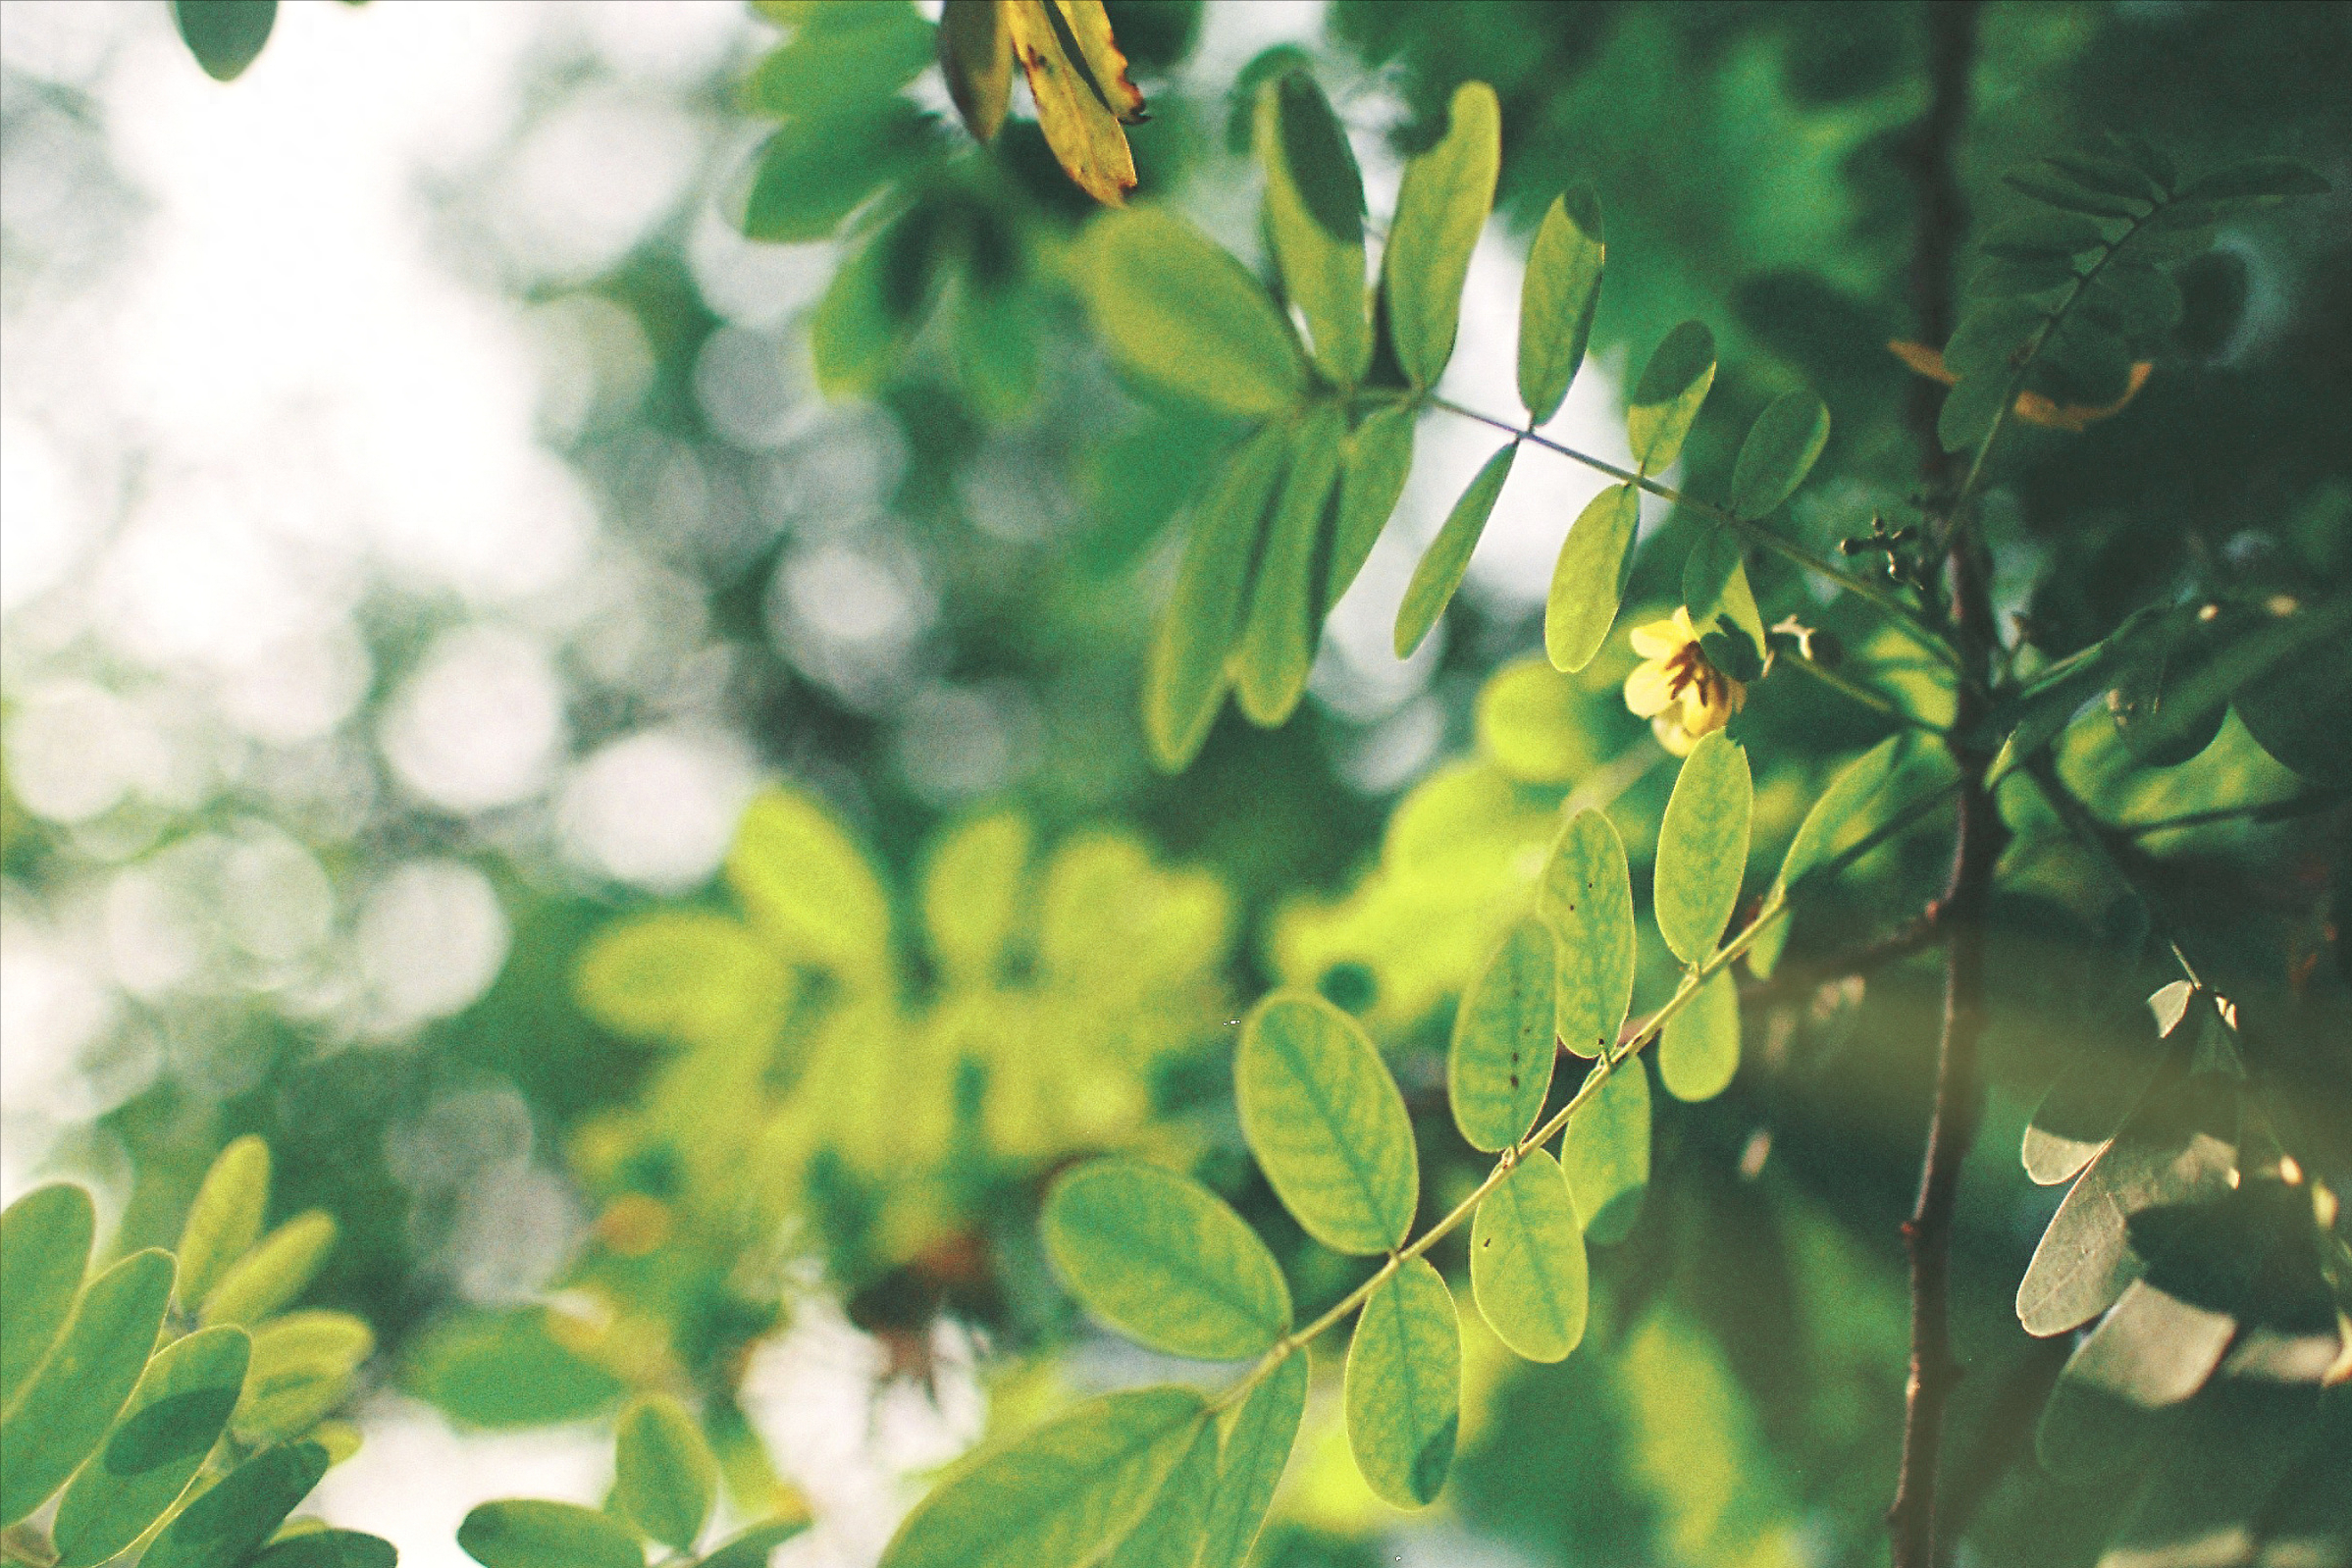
<point>1698,1050</point>
<point>1556,300</point>
<point>976,56</point>
<point>530,1533</point>
<point>1257,1446</point>
<point>62,1412</point>
<point>1185,680</point>
<point>225,1526</point>
<point>1666,399</point>
<point>753,1548</point>
<point>175,1414</point>
<point>44,1251</point>
<point>1165,1261</point>
<point>1172,1527</point>
<point>1403,1392</point>
<point>1176,310</point>
<point>1588,584</point>
<point>1277,637</point>
<point>664,1475</point>
<point>1839,816</point>
<point>225,36</point>
<point>1379,459</point>
<point>972,894</point>
<point>1605,1153</point>
<point>1315,220</point>
<point>841,61</point>
<point>2082,1111</point>
<point>808,887</point>
<point>226,1218</point>
<point>1781,448</point>
<point>2152,1350</point>
<point>1499,1068</point>
<point>1441,209</point>
<point>277,1271</point>
<point>1057,1495</point>
<point>1448,555</point>
<point>1327,1122</point>
<point>1075,100</point>
<point>1587,894</point>
<point>1717,594</point>
<point>301,1369</point>
<point>1702,847</point>
<point>1527,1260</point>
<point>1088,27</point>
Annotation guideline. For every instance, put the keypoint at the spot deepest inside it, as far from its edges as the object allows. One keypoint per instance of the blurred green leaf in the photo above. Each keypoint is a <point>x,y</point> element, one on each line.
<point>1586,893</point>
<point>808,887</point>
<point>1185,680</point>
<point>1839,817</point>
<point>44,1251</point>
<point>1698,1050</point>
<point>1057,1495</point>
<point>1666,399</point>
<point>1164,1260</point>
<point>2066,195</point>
<point>1258,1439</point>
<point>1970,409</point>
<point>1557,299</point>
<point>225,1526</point>
<point>342,1549</point>
<point>528,1534</point>
<point>1178,312</point>
<point>1440,210</point>
<point>839,61</point>
<point>1527,1260</point>
<point>1587,585</point>
<point>1315,220</point>
<point>503,1370</point>
<point>1702,847</point>
<point>1327,1122</point>
<point>976,56</point>
<point>1403,1391</point>
<point>973,894</point>
<point>1448,555</point>
<point>226,1218</point>
<point>2150,1351</point>
<point>753,1547</point>
<point>301,1370</point>
<point>2043,233</point>
<point>809,177</point>
<point>1605,1153</point>
<point>1781,448</point>
<point>2256,178</point>
<point>665,1477</point>
<point>1715,590</point>
<point>1279,633</point>
<point>60,1415</point>
<point>225,36</point>
<point>177,1411</point>
<point>1499,1069</point>
<point>277,1271</point>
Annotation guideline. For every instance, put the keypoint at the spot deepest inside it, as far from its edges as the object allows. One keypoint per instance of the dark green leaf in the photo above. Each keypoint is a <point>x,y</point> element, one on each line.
<point>1588,896</point>
<point>2043,233</point>
<point>1587,585</point>
<point>665,1474</point>
<point>1781,448</point>
<point>1404,1385</point>
<point>2296,709</point>
<point>1257,1446</point>
<point>1164,1260</point>
<point>1277,639</point>
<point>1715,586</point>
<point>1698,1051</point>
<point>1178,311</point>
<point>1448,555</point>
<point>2150,1351</point>
<point>44,1250</point>
<point>1327,1122</point>
<point>1499,1068</point>
<point>225,1526</point>
<point>1605,1153</point>
<point>1315,219</point>
<point>2143,296</point>
<point>1970,409</point>
<point>1441,209</point>
<point>529,1533</point>
<point>753,1547</point>
<point>1991,337</point>
<point>175,1414</point>
<point>1527,1260</point>
<point>2257,178</point>
<point>1702,847</point>
<point>2068,196</point>
<point>1379,459</point>
<point>2112,177</point>
<point>810,176</point>
<point>342,1549</point>
<point>66,1406</point>
<point>1056,1497</point>
<point>1186,677</point>
<point>225,36</point>
<point>1557,298</point>
<point>1836,818</point>
<point>1667,397</point>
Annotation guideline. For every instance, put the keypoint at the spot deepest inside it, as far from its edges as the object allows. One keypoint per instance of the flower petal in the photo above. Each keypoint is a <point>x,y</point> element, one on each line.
<point>1650,688</point>
<point>1660,639</point>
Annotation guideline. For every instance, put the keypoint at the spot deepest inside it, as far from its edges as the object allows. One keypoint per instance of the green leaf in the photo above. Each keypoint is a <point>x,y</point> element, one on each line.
<point>274,1272</point>
<point>1836,820</point>
<point>1715,590</point>
<point>345,1548</point>
<point>2177,1148</point>
<point>2295,712</point>
<point>1666,399</point>
<point>175,1414</point>
<point>1315,220</point>
<point>1702,847</point>
<point>1586,893</point>
<point>1327,1122</point>
<point>1448,555</point>
<point>1403,1392</point>
<point>855,55</point>
<point>1970,409</point>
<point>44,1251</point>
<point>808,887</point>
<point>1257,1446</point>
<point>1556,300</point>
<point>1990,336</point>
<point>1165,1261</point>
<point>1781,448</point>
<point>225,1220</point>
<point>530,1533</point>
<point>665,1474</point>
<point>1499,1068</point>
<point>2257,178</point>
<point>1698,1052</point>
<point>2082,1111</point>
<point>2150,1351</point>
<point>1185,680</point>
<point>225,36</point>
<point>1178,312</point>
<point>2145,298</point>
<point>1605,1153</point>
<point>225,1526</point>
<point>1056,1497</point>
<point>976,56</point>
<point>1173,1525</point>
<point>695,978</point>
<point>1441,209</point>
<point>973,894</point>
<point>2068,196</point>
<point>810,176</point>
<point>2043,233</point>
<point>1588,584</point>
<point>753,1547</point>
<point>1379,459</point>
<point>1527,1260</point>
<point>2112,177</point>
<point>1278,640</point>
<point>301,1370</point>
<point>64,1411</point>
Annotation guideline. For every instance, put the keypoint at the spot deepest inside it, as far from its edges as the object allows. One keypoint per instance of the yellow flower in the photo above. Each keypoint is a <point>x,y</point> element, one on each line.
<point>1676,688</point>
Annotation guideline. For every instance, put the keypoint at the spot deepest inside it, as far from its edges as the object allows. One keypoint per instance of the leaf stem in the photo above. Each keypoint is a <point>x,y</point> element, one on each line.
<point>1754,533</point>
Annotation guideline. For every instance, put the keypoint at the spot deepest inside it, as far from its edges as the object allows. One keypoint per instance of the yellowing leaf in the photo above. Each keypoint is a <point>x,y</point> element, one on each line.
<point>1074,107</point>
<point>2033,408</point>
<point>1090,27</point>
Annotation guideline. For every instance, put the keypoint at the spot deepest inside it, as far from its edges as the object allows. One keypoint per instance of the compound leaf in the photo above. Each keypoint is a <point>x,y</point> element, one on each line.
<point>1327,1122</point>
